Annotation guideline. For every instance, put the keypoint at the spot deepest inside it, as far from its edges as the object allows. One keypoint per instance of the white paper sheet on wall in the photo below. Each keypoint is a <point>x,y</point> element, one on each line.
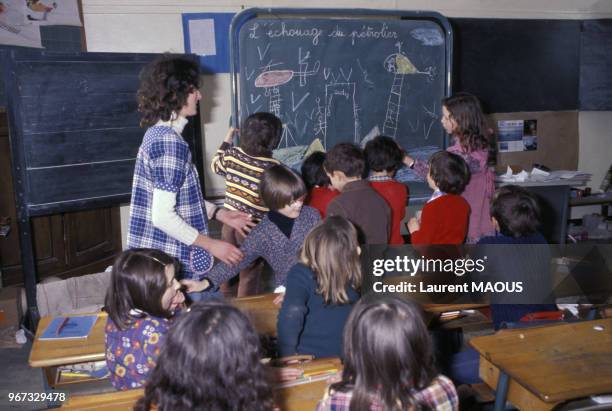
<point>15,30</point>
<point>202,35</point>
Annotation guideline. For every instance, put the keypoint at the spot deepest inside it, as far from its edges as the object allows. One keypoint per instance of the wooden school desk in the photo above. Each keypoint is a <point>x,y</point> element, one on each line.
<point>264,313</point>
<point>303,397</point>
<point>49,354</point>
<point>539,368</point>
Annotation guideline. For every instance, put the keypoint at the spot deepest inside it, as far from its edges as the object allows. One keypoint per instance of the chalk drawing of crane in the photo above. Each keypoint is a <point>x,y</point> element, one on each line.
<point>400,66</point>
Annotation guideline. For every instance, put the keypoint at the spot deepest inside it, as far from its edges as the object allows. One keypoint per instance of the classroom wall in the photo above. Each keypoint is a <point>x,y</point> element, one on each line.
<point>155,26</point>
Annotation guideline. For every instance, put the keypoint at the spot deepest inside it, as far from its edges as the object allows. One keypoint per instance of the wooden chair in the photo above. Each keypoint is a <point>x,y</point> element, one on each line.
<point>261,310</point>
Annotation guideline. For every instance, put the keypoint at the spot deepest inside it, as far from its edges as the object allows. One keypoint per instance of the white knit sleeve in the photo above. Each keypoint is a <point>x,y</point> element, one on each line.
<point>165,218</point>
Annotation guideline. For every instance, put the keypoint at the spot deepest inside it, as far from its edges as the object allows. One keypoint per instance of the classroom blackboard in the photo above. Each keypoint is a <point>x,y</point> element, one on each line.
<point>518,65</point>
<point>53,38</point>
<point>75,129</point>
<point>341,76</point>
<point>596,65</point>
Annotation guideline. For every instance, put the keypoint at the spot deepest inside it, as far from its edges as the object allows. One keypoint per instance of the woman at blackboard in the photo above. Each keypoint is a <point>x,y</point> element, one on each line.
<point>168,211</point>
<point>462,118</point>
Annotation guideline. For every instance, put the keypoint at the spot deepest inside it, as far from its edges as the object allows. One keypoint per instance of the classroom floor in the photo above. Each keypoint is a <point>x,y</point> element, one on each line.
<point>17,376</point>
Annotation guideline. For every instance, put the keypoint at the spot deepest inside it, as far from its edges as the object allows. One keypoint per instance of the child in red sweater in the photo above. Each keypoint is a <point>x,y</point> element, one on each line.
<point>444,218</point>
<point>320,192</point>
<point>384,157</point>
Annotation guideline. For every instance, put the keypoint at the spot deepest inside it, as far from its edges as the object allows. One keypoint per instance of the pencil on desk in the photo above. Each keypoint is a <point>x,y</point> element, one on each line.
<point>62,325</point>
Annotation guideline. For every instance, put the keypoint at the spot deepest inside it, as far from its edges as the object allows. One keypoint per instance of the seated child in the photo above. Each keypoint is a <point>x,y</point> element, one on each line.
<point>444,218</point>
<point>210,361</point>
<point>278,237</point>
<point>242,168</point>
<point>321,290</point>
<point>345,166</point>
<point>140,302</point>
<point>384,157</point>
<point>320,192</point>
<point>388,361</point>
<point>515,214</point>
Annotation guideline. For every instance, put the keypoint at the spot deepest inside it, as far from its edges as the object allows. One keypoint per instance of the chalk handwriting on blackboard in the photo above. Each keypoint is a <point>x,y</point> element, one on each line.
<point>344,79</point>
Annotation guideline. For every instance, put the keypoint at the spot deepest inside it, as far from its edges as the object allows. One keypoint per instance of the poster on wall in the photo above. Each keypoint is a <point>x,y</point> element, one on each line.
<point>15,29</point>
<point>207,35</point>
<point>517,135</point>
<point>53,12</point>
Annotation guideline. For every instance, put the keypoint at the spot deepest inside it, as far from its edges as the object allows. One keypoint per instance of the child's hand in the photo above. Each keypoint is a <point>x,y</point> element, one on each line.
<point>194,286</point>
<point>238,220</point>
<point>229,137</point>
<point>224,251</point>
<point>284,374</point>
<point>413,225</point>
<point>409,161</point>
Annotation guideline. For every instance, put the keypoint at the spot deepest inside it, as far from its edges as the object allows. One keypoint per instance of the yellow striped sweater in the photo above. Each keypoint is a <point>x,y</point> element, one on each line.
<point>242,174</point>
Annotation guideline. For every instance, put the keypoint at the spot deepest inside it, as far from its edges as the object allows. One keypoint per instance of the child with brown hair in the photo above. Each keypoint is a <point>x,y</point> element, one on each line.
<point>358,202</point>
<point>388,361</point>
<point>384,158</point>
<point>278,237</point>
<point>141,299</point>
<point>321,290</point>
<point>242,167</point>
<point>464,121</point>
<point>444,218</point>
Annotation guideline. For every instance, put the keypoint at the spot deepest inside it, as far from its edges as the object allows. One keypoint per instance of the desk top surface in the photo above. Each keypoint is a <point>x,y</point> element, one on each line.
<point>71,351</point>
<point>556,362</point>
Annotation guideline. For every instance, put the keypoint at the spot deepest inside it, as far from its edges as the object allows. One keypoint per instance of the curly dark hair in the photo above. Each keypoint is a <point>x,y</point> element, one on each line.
<point>165,85</point>
<point>260,134</point>
<point>209,361</point>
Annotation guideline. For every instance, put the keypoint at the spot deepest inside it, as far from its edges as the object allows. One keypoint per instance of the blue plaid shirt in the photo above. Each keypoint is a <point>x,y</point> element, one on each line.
<point>164,163</point>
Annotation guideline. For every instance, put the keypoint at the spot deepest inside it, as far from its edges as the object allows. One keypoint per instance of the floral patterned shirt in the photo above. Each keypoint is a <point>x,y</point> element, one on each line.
<point>132,353</point>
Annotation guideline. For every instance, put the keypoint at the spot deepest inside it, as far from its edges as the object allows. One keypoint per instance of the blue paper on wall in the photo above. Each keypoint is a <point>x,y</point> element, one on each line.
<point>207,35</point>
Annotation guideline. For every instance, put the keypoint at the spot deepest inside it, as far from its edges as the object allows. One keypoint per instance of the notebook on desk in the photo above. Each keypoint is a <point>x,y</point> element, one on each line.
<point>65,327</point>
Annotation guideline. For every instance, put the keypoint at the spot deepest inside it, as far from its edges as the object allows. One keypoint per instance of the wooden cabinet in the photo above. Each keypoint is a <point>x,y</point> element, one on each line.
<point>65,244</point>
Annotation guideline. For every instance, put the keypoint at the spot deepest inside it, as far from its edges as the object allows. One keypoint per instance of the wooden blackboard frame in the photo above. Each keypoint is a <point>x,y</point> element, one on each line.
<point>22,162</point>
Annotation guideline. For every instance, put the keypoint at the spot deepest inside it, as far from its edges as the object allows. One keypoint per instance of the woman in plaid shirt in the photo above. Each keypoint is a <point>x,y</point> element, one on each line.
<point>168,211</point>
<point>388,362</point>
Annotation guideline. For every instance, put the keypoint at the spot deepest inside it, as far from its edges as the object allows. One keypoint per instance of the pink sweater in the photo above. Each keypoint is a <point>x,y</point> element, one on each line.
<point>478,193</point>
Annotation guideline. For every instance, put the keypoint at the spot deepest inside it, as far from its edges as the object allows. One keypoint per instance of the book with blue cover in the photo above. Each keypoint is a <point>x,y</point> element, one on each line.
<point>69,327</point>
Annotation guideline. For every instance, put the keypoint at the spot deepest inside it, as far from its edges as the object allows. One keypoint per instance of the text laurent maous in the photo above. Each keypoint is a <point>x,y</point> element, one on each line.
<point>482,287</point>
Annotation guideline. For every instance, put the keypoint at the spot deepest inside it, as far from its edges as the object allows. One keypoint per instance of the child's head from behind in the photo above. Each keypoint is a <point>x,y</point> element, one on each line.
<point>448,172</point>
<point>387,351</point>
<point>165,87</point>
<point>462,117</point>
<point>383,154</point>
<point>282,190</point>
<point>260,134</point>
<point>344,162</point>
<point>515,211</point>
<point>313,172</point>
<point>332,252</point>
<point>143,280</point>
<point>210,360</point>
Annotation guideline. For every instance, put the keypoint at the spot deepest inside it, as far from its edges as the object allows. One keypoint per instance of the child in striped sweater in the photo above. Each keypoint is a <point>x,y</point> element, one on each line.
<point>242,168</point>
